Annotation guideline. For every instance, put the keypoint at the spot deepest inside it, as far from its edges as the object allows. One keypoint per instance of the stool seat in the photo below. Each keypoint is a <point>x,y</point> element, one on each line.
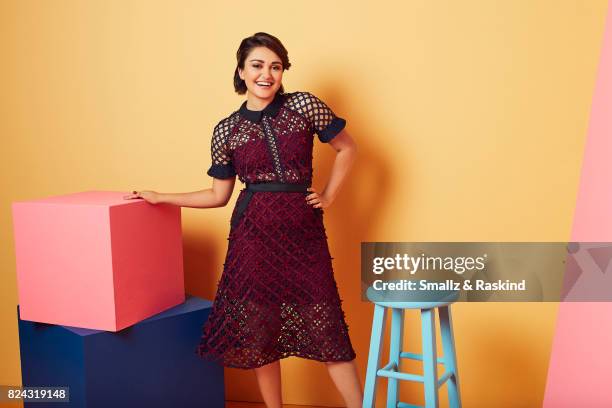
<point>427,303</point>
<point>422,300</point>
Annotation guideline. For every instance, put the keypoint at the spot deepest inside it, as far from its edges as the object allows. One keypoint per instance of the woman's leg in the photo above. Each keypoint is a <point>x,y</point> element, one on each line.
<point>269,380</point>
<point>344,375</point>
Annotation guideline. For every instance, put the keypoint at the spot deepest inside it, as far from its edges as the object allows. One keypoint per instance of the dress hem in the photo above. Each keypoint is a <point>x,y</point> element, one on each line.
<point>290,354</point>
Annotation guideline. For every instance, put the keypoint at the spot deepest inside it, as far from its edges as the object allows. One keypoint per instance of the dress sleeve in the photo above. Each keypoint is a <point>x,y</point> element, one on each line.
<point>222,166</point>
<point>325,122</point>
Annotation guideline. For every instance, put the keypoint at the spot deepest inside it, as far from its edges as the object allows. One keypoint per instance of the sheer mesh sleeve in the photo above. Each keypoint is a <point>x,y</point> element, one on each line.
<point>326,124</point>
<point>222,166</point>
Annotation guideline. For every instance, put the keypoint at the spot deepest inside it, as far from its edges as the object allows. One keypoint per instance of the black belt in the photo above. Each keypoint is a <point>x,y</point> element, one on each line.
<point>268,187</point>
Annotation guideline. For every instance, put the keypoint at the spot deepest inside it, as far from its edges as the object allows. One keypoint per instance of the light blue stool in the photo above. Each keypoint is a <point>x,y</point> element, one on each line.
<point>430,370</point>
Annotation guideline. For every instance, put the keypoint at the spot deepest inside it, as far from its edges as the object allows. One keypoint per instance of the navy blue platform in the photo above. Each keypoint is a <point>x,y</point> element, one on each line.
<point>151,364</point>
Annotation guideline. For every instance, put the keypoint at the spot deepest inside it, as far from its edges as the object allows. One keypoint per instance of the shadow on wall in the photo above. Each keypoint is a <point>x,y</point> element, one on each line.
<point>355,216</point>
<point>201,261</point>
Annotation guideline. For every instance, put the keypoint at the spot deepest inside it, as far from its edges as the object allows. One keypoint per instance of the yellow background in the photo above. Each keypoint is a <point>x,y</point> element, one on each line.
<point>470,119</point>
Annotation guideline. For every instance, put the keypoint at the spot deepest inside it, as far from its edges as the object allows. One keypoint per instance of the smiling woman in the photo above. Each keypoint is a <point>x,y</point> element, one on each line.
<point>277,296</point>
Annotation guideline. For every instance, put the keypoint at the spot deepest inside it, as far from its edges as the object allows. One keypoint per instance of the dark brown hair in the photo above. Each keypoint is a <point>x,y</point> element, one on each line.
<point>258,40</point>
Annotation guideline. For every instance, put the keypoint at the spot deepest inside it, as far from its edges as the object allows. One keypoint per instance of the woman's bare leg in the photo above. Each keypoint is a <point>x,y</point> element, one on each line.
<point>344,375</point>
<point>269,380</point>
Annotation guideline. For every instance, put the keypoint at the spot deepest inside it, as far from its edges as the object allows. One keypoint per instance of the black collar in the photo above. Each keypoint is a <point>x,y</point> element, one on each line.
<point>270,110</point>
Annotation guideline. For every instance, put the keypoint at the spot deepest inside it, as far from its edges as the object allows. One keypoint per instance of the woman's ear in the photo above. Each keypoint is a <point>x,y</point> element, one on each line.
<point>240,74</point>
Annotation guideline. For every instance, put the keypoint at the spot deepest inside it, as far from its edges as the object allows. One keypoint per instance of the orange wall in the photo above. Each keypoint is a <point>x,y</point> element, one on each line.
<point>470,117</point>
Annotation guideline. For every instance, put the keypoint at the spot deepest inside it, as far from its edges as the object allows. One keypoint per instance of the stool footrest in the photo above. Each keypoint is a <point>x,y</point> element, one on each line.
<point>414,356</point>
<point>405,405</point>
<point>444,378</point>
<point>389,367</point>
<point>397,375</point>
<point>391,371</point>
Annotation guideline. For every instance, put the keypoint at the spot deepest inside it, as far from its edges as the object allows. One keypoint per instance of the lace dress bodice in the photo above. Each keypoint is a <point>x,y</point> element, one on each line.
<point>274,144</point>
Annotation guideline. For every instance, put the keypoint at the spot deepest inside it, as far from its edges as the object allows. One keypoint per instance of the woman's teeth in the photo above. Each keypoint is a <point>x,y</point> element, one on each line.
<point>264,84</point>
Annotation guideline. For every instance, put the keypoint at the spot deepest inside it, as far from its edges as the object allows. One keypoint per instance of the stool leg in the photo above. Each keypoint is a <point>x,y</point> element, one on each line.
<point>378,330</point>
<point>430,367</point>
<point>450,357</point>
<point>397,336</point>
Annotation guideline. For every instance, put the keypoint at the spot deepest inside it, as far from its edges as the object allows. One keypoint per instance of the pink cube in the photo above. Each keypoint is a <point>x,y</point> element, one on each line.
<point>97,261</point>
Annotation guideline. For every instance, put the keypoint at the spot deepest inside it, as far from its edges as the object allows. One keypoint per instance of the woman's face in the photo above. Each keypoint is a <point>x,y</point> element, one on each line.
<point>262,73</point>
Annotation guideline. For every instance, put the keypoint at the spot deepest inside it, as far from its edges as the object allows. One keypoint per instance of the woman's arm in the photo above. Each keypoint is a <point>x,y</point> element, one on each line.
<point>217,196</point>
<point>346,150</point>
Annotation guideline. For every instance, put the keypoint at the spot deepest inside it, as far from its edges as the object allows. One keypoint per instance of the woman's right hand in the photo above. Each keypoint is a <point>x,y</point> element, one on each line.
<point>151,197</point>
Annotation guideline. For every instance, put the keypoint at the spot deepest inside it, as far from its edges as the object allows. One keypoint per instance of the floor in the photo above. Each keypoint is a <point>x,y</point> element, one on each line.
<point>234,404</point>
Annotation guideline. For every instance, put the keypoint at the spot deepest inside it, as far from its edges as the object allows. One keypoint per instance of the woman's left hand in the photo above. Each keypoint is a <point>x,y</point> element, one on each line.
<point>317,200</point>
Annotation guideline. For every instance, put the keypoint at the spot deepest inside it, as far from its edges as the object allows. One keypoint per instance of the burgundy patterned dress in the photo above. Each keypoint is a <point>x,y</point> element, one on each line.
<point>277,296</point>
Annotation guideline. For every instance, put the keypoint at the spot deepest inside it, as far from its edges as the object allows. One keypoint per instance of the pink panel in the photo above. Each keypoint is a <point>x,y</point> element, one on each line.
<point>95,260</point>
<point>578,374</point>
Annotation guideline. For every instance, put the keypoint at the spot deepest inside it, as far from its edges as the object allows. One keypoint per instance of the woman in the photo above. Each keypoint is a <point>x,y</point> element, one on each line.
<point>277,296</point>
